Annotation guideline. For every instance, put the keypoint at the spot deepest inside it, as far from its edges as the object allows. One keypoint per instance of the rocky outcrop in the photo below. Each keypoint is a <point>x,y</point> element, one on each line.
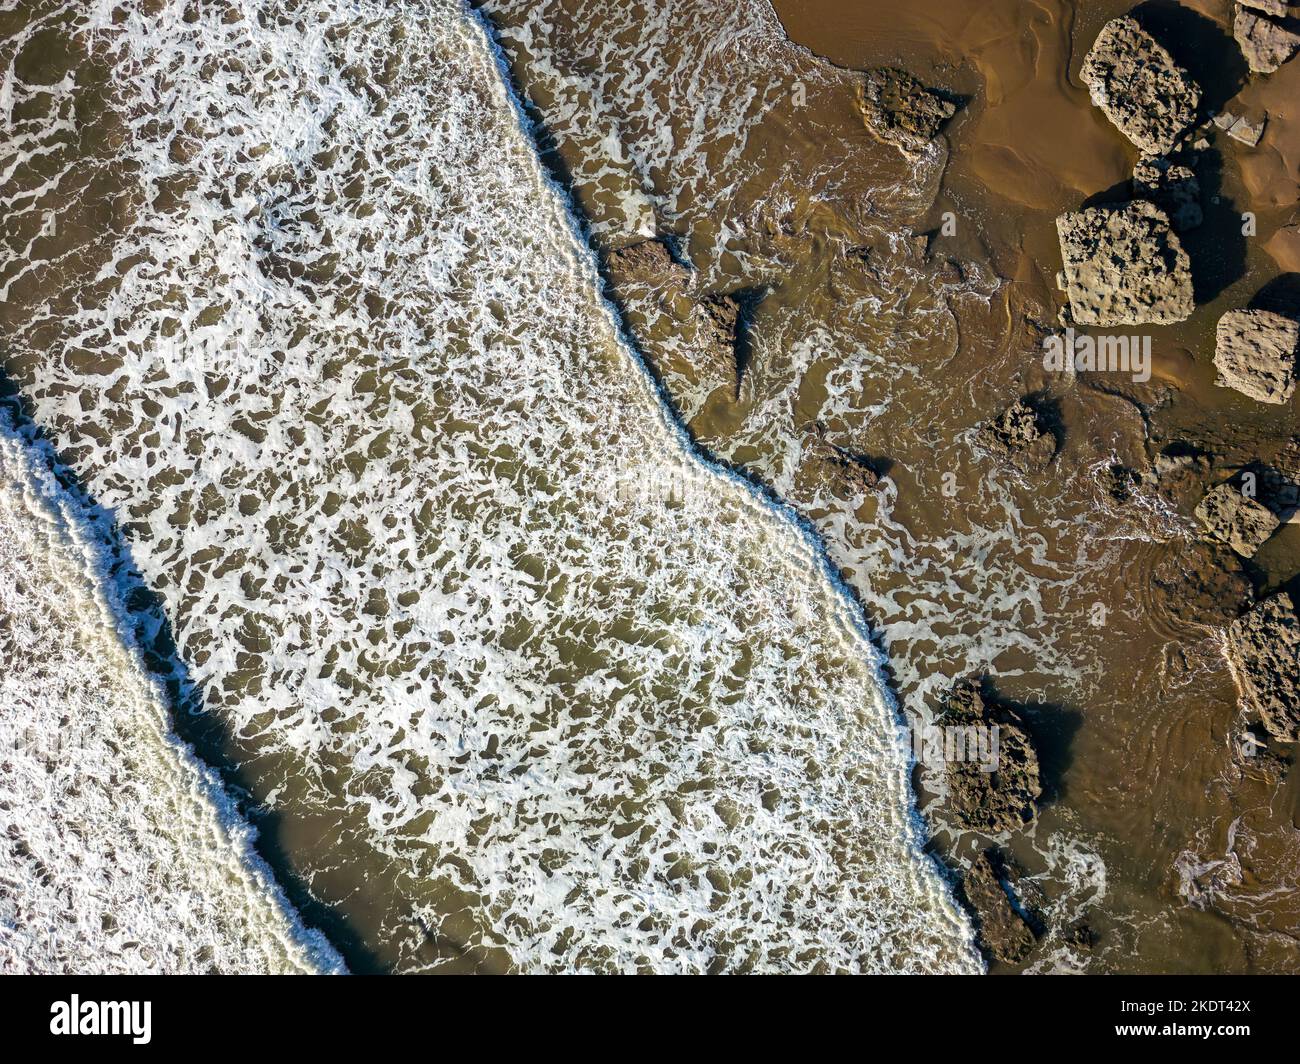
<point>1175,189</point>
<point>1003,933</point>
<point>1269,7</point>
<point>1005,798</point>
<point>1264,650</point>
<point>901,111</point>
<point>1018,438</point>
<point>1232,518</point>
<point>1140,88</point>
<point>1124,265</point>
<point>1255,353</point>
<point>1265,43</point>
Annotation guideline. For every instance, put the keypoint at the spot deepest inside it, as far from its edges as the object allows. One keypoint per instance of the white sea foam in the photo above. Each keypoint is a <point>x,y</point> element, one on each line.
<point>122,853</point>
<point>375,441</point>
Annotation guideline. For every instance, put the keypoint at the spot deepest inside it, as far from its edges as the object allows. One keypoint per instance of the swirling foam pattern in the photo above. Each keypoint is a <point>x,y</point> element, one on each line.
<point>528,685</point>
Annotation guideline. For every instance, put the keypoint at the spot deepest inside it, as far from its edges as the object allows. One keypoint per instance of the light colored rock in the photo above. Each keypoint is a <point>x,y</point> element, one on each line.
<point>1255,353</point>
<point>1240,522</point>
<point>1124,266</point>
<point>1246,133</point>
<point>1269,7</point>
<point>1264,43</point>
<point>1148,97</point>
<point>1264,651</point>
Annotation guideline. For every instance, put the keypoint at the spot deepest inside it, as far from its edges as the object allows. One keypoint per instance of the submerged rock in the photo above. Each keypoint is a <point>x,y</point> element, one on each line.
<point>1265,44</point>
<point>1017,437</point>
<point>1124,266</point>
<point>1240,522</point>
<point>1200,583</point>
<point>1174,189</point>
<point>1256,352</point>
<point>1004,934</point>
<point>901,111</point>
<point>1148,97</point>
<point>827,468</point>
<point>1181,473</point>
<point>1005,798</point>
<point>1264,650</point>
<point>648,281</point>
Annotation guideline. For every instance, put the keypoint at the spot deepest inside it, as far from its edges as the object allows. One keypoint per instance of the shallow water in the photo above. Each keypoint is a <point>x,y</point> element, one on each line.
<point>734,132</point>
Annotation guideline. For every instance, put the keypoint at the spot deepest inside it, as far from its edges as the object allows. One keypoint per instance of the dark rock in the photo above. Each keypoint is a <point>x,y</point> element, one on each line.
<point>1264,650</point>
<point>1003,933</point>
<point>1138,85</point>
<point>901,111</point>
<point>827,468</point>
<point>1231,517</point>
<point>1121,482</point>
<point>1255,353</point>
<point>1080,936</point>
<point>1175,189</point>
<point>1019,438</point>
<point>1005,798</point>
<point>1124,266</point>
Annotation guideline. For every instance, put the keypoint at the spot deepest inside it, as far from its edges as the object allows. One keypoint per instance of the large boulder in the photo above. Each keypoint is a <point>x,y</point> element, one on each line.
<point>1018,437</point>
<point>1138,85</point>
<point>1124,266</point>
<point>901,111</point>
<point>1265,44</point>
<point>1256,352</point>
<point>1001,799</point>
<point>1264,650</point>
<point>1237,520</point>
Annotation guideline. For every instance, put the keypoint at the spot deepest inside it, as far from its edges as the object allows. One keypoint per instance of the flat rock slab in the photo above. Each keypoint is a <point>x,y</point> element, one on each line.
<point>1264,649</point>
<point>1255,353</point>
<point>1124,266</point>
<point>1148,97</point>
<point>1264,43</point>
<point>1242,523</point>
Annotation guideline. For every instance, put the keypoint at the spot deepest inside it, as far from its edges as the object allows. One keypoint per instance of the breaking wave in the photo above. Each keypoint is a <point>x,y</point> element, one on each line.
<point>528,685</point>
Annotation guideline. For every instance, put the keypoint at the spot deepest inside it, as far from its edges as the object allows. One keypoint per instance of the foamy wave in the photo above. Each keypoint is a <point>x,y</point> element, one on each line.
<point>123,854</point>
<point>529,685</point>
